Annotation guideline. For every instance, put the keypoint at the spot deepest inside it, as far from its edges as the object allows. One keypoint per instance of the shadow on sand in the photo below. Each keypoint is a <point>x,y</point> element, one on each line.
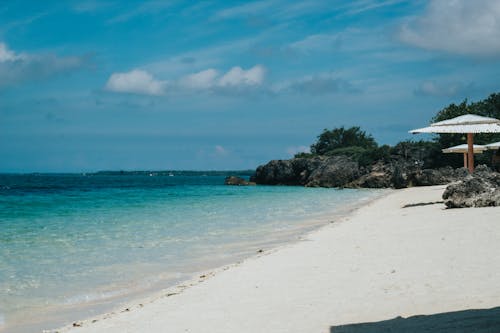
<point>467,321</point>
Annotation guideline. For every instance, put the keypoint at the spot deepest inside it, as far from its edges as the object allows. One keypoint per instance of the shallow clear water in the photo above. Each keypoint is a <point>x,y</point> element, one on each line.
<point>71,240</point>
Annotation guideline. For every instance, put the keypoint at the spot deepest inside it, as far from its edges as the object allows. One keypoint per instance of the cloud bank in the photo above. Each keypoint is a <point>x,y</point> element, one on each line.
<point>460,26</point>
<point>142,82</point>
<point>21,67</point>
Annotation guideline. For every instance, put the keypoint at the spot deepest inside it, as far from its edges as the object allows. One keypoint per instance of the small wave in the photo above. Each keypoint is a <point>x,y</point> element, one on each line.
<point>92,297</point>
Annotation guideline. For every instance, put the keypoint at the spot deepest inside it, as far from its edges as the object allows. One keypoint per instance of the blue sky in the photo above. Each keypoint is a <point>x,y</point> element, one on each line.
<point>94,85</point>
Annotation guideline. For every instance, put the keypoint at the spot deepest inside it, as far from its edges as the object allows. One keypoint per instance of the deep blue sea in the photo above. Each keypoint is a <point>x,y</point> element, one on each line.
<point>73,245</point>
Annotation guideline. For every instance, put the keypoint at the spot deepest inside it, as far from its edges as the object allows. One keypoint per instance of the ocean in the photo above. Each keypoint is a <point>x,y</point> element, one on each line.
<point>75,245</point>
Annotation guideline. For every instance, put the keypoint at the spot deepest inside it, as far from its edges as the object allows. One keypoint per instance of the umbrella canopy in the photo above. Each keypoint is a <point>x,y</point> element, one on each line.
<point>469,123</point>
<point>464,149</point>
<point>478,149</point>
<point>494,145</point>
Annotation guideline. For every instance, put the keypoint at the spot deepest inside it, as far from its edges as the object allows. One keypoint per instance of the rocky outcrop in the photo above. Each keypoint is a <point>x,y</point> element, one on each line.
<point>334,171</point>
<point>441,176</point>
<point>320,171</point>
<point>342,171</point>
<point>480,189</point>
<point>237,181</point>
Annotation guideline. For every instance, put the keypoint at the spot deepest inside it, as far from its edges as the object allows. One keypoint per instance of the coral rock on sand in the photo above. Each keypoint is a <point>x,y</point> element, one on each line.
<point>442,176</point>
<point>238,181</point>
<point>481,189</point>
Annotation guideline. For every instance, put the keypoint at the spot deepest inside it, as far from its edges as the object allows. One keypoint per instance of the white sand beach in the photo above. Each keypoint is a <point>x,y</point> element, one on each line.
<point>380,262</point>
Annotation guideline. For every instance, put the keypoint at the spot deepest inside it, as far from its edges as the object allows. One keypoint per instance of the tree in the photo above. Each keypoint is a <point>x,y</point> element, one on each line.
<point>331,140</point>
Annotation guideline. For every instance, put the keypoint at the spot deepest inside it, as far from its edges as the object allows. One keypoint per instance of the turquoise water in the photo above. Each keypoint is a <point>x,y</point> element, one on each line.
<point>67,241</point>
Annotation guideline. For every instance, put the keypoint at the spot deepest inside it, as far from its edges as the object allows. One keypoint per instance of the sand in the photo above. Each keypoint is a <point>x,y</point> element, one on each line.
<point>380,262</point>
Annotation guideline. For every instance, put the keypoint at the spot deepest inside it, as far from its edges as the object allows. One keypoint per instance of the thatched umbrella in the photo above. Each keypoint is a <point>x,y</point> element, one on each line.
<point>469,124</point>
<point>463,149</point>
<point>493,146</point>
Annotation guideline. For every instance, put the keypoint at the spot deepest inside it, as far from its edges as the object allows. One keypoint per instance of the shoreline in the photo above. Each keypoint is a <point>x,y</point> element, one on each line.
<point>239,253</point>
<point>340,273</point>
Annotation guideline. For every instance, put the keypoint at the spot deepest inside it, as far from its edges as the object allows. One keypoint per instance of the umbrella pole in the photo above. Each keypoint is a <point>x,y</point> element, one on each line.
<point>470,154</point>
<point>465,160</point>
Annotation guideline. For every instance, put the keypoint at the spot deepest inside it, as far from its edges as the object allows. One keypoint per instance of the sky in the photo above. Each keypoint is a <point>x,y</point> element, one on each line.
<point>91,85</point>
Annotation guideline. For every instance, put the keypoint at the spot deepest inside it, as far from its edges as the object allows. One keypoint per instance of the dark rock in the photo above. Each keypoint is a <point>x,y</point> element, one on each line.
<point>393,174</point>
<point>480,189</point>
<point>276,172</point>
<point>378,177</point>
<point>321,171</point>
<point>374,179</point>
<point>483,171</point>
<point>343,171</point>
<point>335,171</point>
<point>442,176</point>
<point>399,177</point>
<point>428,177</point>
<point>287,172</point>
<point>238,181</point>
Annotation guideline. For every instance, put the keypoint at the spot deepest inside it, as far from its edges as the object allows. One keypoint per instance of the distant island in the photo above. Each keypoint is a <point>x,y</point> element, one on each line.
<point>224,173</point>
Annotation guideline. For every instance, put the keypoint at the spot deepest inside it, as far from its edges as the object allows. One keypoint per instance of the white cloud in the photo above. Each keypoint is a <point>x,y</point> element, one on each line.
<point>136,81</point>
<point>220,151</point>
<point>19,67</point>
<point>202,80</point>
<point>8,55</point>
<point>237,76</point>
<point>139,81</point>
<point>460,26</point>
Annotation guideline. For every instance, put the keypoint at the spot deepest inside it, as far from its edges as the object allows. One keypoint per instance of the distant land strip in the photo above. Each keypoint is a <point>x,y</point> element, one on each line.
<point>176,173</point>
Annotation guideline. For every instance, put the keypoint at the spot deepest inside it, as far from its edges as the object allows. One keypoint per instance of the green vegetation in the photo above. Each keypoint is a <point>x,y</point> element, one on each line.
<point>363,148</point>
<point>351,142</point>
<point>340,137</point>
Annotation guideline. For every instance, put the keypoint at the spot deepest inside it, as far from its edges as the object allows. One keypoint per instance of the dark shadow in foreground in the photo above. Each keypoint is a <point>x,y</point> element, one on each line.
<point>467,321</point>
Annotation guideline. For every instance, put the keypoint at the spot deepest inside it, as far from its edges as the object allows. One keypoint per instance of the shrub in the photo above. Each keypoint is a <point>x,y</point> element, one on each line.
<point>341,137</point>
